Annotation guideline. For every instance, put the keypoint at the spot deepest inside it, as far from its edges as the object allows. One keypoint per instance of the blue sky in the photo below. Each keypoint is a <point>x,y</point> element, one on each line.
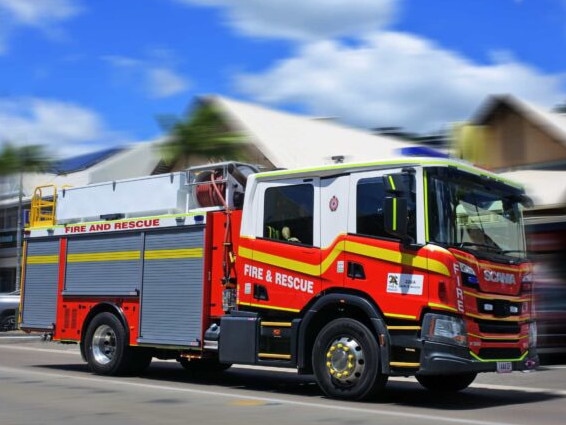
<point>79,75</point>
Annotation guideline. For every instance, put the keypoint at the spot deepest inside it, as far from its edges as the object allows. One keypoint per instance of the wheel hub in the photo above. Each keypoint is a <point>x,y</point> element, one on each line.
<point>345,360</point>
<point>104,344</point>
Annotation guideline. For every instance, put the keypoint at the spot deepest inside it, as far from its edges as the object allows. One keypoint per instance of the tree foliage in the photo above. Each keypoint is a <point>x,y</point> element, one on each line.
<point>204,134</point>
<point>15,159</point>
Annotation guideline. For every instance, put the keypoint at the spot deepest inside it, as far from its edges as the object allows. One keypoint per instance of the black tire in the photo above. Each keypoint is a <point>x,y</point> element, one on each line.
<point>106,346</point>
<point>203,367</point>
<point>140,360</point>
<point>8,323</point>
<point>346,361</point>
<point>446,383</point>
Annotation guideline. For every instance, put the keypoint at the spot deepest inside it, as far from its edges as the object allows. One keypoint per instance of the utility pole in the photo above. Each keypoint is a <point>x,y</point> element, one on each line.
<point>19,232</point>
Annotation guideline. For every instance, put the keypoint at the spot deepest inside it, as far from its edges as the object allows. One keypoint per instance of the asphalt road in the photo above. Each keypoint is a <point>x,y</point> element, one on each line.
<point>47,383</point>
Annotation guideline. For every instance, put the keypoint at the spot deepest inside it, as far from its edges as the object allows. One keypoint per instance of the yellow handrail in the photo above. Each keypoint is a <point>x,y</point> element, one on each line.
<point>42,211</point>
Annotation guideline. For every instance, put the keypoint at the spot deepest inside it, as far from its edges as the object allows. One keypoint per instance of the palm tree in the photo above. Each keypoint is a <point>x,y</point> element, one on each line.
<point>22,159</point>
<point>204,133</point>
<point>18,160</point>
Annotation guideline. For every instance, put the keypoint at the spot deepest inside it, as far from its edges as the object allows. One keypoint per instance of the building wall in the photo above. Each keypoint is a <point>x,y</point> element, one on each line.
<point>516,141</point>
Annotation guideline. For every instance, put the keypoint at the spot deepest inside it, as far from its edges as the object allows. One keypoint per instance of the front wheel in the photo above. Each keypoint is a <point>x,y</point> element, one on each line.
<point>446,383</point>
<point>106,347</point>
<point>346,361</point>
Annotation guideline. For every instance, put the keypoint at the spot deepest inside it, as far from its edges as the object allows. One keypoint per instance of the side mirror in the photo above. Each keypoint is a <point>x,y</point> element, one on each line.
<point>395,213</point>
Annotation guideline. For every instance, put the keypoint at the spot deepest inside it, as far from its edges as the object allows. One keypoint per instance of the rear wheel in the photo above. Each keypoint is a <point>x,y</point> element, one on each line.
<point>446,383</point>
<point>8,323</point>
<point>106,348</point>
<point>346,361</point>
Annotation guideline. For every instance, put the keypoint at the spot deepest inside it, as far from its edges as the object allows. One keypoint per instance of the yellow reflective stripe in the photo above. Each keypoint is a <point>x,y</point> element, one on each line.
<point>403,328</point>
<point>426,219</point>
<point>274,356</point>
<point>332,256</point>
<point>404,364</point>
<point>169,254</point>
<point>160,254</point>
<point>277,324</point>
<point>276,260</point>
<point>394,224</point>
<point>391,182</point>
<point>499,338</point>
<point>399,316</point>
<point>333,169</point>
<point>42,259</point>
<point>389,255</point>
<point>502,297</point>
<point>475,356</point>
<point>397,257</point>
<point>103,256</point>
<point>442,307</point>
<point>270,307</point>
<point>245,253</point>
<point>502,319</point>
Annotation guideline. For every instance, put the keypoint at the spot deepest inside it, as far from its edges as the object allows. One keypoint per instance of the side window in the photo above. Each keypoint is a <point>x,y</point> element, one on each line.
<point>370,193</point>
<point>369,207</point>
<point>288,213</point>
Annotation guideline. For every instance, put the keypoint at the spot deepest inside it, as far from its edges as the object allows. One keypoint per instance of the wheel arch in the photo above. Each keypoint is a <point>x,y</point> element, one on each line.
<point>105,307</point>
<point>330,306</point>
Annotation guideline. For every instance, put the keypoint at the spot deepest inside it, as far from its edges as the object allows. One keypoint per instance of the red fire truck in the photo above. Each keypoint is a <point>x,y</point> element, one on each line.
<point>350,272</point>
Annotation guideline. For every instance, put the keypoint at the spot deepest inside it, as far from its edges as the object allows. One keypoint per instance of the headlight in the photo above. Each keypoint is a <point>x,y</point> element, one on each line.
<point>469,277</point>
<point>527,282</point>
<point>447,329</point>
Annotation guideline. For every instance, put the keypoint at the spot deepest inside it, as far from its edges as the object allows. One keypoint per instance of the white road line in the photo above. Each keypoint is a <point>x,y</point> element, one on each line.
<point>325,406</point>
<point>20,337</point>
<point>560,393</point>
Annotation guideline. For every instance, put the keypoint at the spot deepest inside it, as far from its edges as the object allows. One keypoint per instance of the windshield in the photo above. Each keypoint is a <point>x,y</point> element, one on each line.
<point>474,214</point>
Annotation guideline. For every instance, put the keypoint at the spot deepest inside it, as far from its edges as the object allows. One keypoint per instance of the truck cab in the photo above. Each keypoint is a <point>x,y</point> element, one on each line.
<point>429,255</point>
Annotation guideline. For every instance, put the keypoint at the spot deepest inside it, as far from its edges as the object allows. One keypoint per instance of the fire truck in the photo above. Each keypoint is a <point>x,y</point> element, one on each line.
<point>349,272</point>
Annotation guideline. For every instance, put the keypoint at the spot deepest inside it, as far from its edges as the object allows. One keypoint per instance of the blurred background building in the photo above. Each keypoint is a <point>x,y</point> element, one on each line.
<point>527,144</point>
<point>217,128</point>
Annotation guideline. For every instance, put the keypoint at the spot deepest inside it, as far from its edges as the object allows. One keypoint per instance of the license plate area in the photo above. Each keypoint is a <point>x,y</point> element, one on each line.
<point>504,367</point>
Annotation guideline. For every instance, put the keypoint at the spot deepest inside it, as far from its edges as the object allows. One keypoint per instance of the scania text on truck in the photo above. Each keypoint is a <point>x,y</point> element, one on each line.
<point>350,272</point>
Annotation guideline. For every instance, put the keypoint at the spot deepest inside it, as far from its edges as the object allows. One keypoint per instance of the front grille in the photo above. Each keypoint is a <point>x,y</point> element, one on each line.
<point>498,327</point>
<point>499,353</point>
<point>499,308</point>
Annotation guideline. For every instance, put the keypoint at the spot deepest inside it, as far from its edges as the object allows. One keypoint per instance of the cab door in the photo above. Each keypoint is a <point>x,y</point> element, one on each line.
<point>282,271</point>
<point>380,264</point>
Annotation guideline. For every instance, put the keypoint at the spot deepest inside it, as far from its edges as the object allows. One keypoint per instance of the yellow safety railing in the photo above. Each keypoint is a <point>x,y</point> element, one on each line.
<point>43,204</point>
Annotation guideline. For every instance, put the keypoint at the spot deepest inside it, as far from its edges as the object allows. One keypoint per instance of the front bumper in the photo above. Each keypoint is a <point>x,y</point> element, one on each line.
<point>445,359</point>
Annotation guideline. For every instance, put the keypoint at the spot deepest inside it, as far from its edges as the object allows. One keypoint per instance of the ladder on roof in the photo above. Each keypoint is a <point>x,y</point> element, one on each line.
<point>43,203</point>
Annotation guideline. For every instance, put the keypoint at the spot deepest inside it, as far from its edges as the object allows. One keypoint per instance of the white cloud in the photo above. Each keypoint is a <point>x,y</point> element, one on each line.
<point>395,79</point>
<point>63,128</point>
<point>164,82</point>
<point>45,15</point>
<point>300,19</point>
<point>156,80</point>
